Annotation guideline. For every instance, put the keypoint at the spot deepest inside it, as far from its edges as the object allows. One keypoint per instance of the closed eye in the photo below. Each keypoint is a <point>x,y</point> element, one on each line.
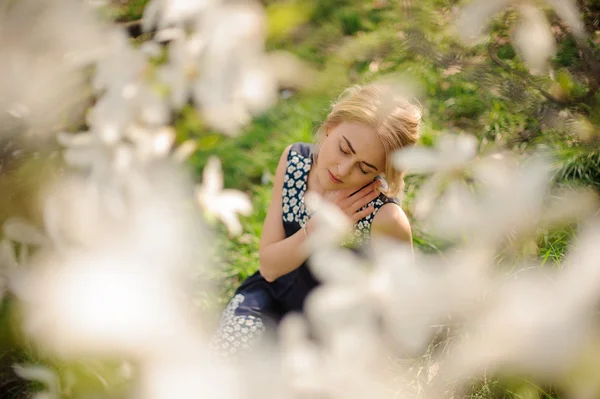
<point>342,150</point>
<point>347,153</point>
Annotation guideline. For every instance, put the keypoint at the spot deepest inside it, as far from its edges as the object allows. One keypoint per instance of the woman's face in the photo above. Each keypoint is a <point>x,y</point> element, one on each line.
<point>350,157</point>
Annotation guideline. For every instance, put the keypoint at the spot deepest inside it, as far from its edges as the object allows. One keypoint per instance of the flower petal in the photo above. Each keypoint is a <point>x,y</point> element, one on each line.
<point>533,38</point>
<point>416,160</point>
<point>23,232</point>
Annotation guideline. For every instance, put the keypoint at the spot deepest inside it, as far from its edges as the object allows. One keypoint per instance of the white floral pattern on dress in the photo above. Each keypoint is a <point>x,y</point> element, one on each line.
<point>236,333</point>
<point>295,177</point>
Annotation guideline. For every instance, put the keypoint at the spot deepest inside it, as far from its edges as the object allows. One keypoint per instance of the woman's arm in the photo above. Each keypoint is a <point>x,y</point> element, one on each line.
<point>391,221</point>
<point>280,255</point>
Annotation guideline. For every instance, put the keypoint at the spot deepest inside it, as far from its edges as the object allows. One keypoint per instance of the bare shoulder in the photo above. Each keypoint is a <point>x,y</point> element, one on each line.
<point>390,220</point>
<point>280,173</point>
<point>285,154</point>
<point>281,167</point>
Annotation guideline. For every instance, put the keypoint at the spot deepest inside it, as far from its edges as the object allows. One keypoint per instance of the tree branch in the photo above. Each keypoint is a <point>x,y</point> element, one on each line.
<point>525,77</point>
<point>594,87</point>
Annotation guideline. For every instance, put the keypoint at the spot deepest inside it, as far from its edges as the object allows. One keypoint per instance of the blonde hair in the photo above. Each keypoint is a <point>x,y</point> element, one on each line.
<point>395,120</point>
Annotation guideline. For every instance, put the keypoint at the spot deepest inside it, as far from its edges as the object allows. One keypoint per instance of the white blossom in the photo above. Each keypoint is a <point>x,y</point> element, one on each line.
<point>20,231</point>
<point>166,13</point>
<point>43,83</point>
<point>38,373</point>
<point>533,38</point>
<point>451,155</point>
<point>568,11</point>
<point>475,16</point>
<point>223,204</point>
<point>222,66</point>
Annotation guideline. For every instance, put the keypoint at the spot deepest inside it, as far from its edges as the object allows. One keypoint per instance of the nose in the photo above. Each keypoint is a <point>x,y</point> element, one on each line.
<point>344,167</point>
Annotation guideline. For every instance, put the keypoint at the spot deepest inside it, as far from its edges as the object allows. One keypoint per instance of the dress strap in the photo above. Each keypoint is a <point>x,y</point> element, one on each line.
<point>304,149</point>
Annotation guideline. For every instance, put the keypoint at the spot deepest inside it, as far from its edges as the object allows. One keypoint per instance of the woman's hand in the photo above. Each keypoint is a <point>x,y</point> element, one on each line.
<point>351,202</point>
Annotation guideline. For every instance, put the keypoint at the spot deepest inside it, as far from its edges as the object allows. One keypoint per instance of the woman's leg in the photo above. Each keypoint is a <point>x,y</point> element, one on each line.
<point>242,326</point>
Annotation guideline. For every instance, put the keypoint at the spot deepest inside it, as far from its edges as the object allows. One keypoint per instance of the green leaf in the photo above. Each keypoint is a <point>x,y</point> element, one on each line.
<point>284,18</point>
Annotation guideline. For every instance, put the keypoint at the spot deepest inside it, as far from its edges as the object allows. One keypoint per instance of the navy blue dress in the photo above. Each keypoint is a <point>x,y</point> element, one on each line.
<point>258,303</point>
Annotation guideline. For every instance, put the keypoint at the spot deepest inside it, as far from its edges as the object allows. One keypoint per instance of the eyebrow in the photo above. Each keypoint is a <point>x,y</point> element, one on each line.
<point>354,152</point>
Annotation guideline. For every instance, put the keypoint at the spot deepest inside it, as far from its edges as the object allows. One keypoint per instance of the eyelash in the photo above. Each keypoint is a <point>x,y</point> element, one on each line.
<point>345,153</point>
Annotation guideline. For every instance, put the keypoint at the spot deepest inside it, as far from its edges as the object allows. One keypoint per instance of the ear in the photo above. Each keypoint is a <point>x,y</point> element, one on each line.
<point>384,184</point>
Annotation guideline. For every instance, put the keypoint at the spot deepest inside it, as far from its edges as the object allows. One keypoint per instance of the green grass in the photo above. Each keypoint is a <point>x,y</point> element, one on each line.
<point>125,10</point>
<point>553,245</point>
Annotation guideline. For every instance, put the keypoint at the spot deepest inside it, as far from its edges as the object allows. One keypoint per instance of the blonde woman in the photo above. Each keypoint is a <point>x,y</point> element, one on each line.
<point>349,164</point>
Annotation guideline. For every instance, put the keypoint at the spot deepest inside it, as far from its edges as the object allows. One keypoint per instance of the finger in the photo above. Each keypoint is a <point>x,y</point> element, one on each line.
<point>361,202</point>
<point>366,189</point>
<point>371,197</point>
<point>361,214</point>
<point>354,199</point>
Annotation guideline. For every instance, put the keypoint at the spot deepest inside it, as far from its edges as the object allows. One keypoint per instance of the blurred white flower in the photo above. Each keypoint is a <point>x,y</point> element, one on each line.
<point>182,68</point>
<point>333,225</point>
<point>533,38</point>
<point>568,11</point>
<point>37,373</point>
<point>207,66</point>
<point>221,63</point>
<point>8,263</point>
<point>527,326</point>
<point>581,274</point>
<point>381,287</point>
<point>450,156</point>
<point>127,98</point>
<point>22,232</point>
<point>451,152</point>
<point>258,85</point>
<point>507,196</point>
<point>336,350</point>
<point>536,322</point>
<point>112,281</point>
<point>301,360</point>
<point>188,371</point>
<point>290,71</point>
<point>43,81</point>
<point>8,258</point>
<point>184,150</point>
<point>475,16</point>
<point>166,13</point>
<point>151,144</point>
<point>120,65</point>
<point>97,304</point>
<point>223,204</point>
<point>139,147</point>
<point>236,81</point>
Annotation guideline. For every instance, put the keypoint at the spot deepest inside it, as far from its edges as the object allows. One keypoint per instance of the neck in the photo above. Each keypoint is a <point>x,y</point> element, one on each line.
<point>313,184</point>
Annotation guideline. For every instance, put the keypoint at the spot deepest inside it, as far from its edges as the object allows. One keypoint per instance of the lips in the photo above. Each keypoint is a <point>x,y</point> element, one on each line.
<point>333,178</point>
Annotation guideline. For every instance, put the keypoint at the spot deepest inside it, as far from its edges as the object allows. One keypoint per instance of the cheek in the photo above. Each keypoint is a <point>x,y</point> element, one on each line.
<point>359,180</point>
<point>327,154</point>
